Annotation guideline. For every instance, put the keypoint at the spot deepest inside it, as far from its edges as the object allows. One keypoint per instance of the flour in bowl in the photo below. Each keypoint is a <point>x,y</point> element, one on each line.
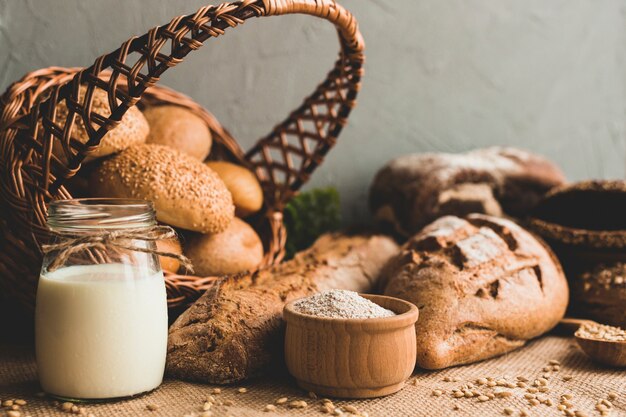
<point>341,304</point>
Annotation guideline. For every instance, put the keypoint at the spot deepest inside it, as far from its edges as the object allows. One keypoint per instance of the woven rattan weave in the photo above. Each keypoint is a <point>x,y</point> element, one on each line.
<point>32,176</point>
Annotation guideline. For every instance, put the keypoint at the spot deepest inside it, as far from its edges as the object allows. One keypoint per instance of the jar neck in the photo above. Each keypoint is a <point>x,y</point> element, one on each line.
<point>90,215</point>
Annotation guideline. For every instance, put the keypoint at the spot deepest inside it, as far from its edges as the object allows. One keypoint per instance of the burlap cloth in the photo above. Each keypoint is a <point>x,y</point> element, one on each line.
<point>590,382</point>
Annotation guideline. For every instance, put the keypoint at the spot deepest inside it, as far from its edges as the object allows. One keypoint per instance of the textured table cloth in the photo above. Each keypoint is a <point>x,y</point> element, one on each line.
<point>589,383</point>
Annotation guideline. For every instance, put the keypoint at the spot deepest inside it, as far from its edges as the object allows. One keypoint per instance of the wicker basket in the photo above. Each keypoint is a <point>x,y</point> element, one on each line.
<point>283,160</point>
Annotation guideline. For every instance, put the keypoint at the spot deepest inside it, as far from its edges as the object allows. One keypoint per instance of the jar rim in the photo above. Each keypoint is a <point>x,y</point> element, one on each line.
<point>88,214</point>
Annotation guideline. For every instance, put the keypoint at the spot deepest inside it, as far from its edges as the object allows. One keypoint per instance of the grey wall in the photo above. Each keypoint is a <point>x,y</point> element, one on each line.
<point>441,75</point>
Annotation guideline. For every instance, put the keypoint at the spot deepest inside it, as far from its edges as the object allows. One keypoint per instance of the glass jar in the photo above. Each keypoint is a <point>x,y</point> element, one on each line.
<point>101,312</point>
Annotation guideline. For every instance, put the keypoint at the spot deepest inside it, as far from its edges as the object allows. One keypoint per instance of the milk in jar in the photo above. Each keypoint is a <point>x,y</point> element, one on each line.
<point>101,307</point>
<point>101,331</point>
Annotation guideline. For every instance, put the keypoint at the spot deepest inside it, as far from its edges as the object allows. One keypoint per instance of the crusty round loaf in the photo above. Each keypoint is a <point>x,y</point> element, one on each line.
<point>484,286</point>
<point>243,186</point>
<point>236,249</point>
<point>180,129</point>
<point>170,246</point>
<point>413,190</point>
<point>186,193</point>
<point>132,129</point>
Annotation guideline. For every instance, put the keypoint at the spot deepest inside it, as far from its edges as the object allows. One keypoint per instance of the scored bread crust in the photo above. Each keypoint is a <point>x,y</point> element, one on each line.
<point>185,192</point>
<point>414,190</point>
<point>484,286</point>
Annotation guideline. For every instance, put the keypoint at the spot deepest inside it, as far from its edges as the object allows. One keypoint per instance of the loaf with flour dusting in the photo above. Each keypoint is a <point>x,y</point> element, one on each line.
<point>484,286</point>
<point>413,190</point>
<point>235,330</point>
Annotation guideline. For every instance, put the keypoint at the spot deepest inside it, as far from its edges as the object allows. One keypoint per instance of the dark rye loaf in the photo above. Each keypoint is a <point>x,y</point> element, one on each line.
<point>413,190</point>
<point>484,286</point>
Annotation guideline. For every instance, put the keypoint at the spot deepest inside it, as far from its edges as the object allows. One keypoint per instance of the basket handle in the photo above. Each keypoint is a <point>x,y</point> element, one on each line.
<point>140,61</point>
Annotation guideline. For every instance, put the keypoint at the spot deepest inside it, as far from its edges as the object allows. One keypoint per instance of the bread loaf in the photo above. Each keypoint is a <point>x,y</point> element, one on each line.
<point>412,191</point>
<point>236,249</point>
<point>484,286</point>
<point>180,129</point>
<point>185,192</point>
<point>242,184</point>
<point>234,331</point>
<point>599,293</point>
<point>132,129</point>
<point>169,246</point>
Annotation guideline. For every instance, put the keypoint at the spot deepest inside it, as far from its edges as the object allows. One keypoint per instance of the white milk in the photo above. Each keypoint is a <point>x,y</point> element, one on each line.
<point>101,331</point>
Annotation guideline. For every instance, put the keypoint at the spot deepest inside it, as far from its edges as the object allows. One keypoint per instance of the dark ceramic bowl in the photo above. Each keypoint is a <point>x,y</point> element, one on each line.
<point>585,224</point>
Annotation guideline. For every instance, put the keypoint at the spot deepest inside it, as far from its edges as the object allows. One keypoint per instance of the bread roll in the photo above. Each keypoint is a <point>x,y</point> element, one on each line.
<point>413,190</point>
<point>180,129</point>
<point>236,249</point>
<point>171,246</point>
<point>242,184</point>
<point>132,129</point>
<point>484,286</point>
<point>185,192</point>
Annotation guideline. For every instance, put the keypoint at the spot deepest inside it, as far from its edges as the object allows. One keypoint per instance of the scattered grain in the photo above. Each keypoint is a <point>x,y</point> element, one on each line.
<point>13,413</point>
<point>269,407</point>
<point>298,404</point>
<point>281,400</point>
<point>483,398</point>
<point>508,411</point>
<point>216,391</point>
<point>350,409</point>
<point>567,378</point>
<point>20,402</point>
<point>437,393</point>
<point>242,390</point>
<point>152,407</point>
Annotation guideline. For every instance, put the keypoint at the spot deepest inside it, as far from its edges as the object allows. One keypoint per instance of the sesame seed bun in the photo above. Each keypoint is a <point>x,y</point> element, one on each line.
<point>180,129</point>
<point>132,129</point>
<point>186,193</point>
<point>242,184</point>
<point>235,250</point>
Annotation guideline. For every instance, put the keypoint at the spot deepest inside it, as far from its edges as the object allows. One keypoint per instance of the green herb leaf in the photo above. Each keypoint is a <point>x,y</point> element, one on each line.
<point>309,215</point>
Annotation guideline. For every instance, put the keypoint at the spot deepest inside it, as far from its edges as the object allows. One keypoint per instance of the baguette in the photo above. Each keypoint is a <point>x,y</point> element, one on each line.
<point>234,331</point>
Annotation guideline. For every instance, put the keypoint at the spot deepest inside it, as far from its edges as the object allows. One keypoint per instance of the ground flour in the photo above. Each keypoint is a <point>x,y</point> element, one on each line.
<point>338,304</point>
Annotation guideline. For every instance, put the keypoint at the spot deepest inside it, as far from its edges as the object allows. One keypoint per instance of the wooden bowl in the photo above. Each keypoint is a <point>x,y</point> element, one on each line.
<point>352,358</point>
<point>606,352</point>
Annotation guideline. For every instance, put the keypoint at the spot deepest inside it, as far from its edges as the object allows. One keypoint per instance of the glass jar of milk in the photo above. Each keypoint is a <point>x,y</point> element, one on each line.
<point>101,312</point>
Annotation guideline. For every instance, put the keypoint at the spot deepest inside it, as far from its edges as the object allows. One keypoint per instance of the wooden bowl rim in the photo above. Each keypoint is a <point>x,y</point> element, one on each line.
<point>399,321</point>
